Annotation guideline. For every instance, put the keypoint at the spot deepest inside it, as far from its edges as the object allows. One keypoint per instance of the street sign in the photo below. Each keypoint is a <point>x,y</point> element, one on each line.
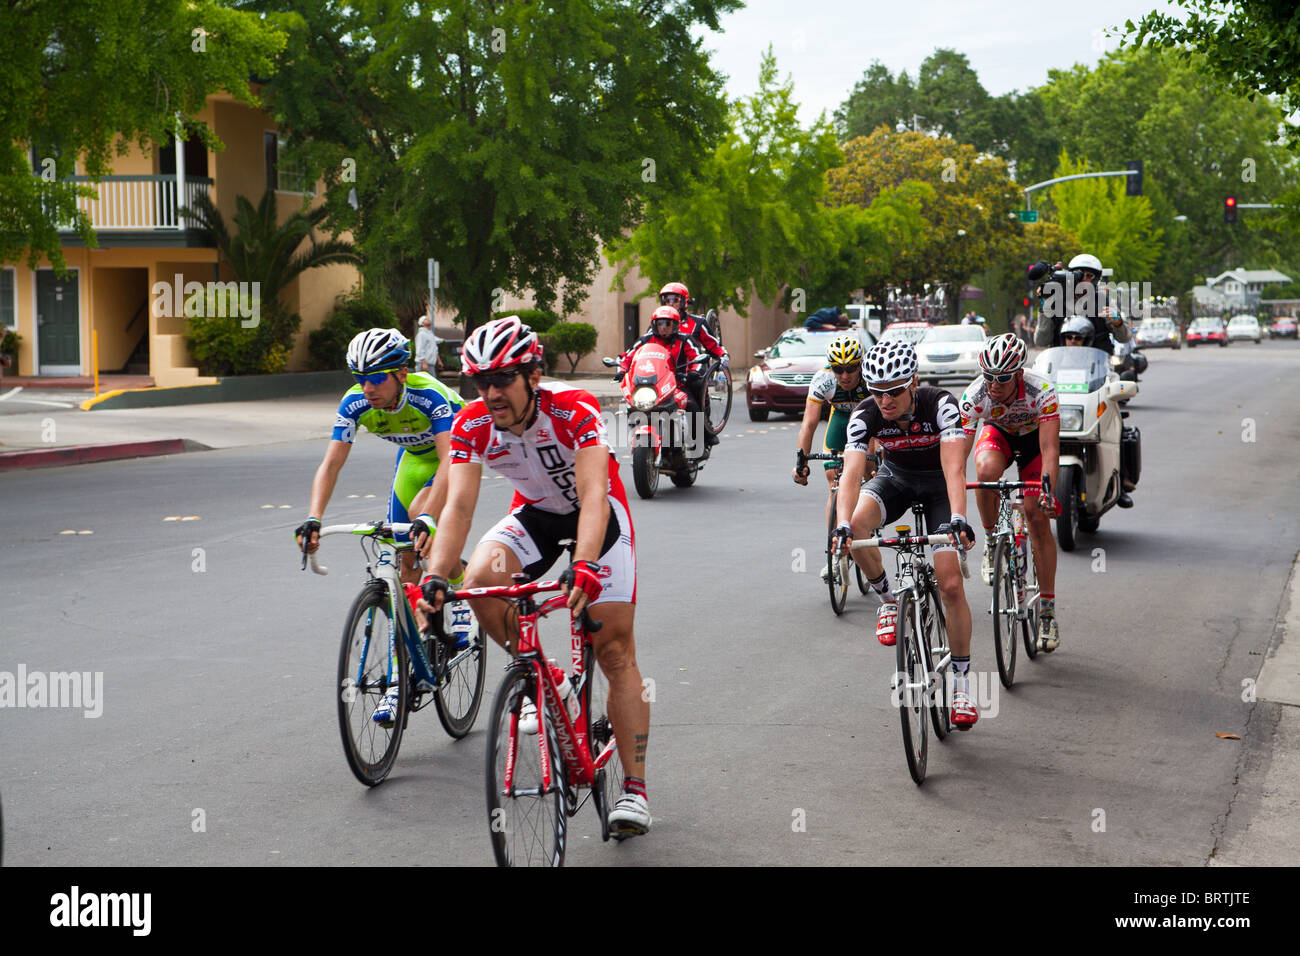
<point>1027,215</point>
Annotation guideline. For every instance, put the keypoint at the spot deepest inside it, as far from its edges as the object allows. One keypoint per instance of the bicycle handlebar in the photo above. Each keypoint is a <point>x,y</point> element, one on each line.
<point>508,592</point>
<point>1002,485</point>
<point>933,540</point>
<point>375,528</point>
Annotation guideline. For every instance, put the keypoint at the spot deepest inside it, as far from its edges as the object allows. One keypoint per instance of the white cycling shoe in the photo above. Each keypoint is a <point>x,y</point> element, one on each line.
<point>386,712</point>
<point>630,817</point>
<point>1049,636</point>
<point>527,717</point>
<point>986,563</point>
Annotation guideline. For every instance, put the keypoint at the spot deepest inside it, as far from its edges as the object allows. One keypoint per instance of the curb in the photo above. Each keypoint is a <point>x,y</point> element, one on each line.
<point>236,388</point>
<point>84,454</point>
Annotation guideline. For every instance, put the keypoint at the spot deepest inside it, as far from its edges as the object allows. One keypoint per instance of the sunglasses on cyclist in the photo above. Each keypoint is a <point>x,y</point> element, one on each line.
<point>890,392</point>
<point>1000,379</point>
<point>845,369</point>
<point>500,379</point>
<point>374,378</point>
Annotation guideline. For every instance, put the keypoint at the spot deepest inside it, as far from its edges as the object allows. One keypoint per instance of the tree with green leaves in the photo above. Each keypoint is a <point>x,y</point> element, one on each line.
<point>81,79</point>
<point>1116,228</point>
<point>506,140</point>
<point>878,99</point>
<point>753,222</point>
<point>1200,142</point>
<point>268,255</point>
<point>968,214</point>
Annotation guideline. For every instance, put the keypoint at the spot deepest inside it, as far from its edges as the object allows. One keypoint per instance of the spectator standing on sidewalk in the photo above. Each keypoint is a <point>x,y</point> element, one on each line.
<point>1020,326</point>
<point>426,348</point>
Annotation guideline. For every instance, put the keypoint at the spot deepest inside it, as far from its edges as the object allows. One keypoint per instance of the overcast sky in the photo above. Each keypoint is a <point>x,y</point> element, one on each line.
<point>826,45</point>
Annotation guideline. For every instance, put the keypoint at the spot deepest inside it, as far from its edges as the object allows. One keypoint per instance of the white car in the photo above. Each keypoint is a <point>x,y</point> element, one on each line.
<point>950,352</point>
<point>907,331</point>
<point>1157,333</point>
<point>1244,327</point>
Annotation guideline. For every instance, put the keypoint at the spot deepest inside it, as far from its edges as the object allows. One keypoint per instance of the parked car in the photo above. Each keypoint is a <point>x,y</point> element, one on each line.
<point>1158,333</point>
<point>1283,328</point>
<point>1244,327</point>
<point>780,380</point>
<point>1207,331</point>
<point>950,352</point>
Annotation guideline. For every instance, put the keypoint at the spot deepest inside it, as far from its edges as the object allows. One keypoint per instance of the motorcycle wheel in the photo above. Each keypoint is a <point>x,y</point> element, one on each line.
<point>1067,493</point>
<point>684,471</point>
<point>645,470</point>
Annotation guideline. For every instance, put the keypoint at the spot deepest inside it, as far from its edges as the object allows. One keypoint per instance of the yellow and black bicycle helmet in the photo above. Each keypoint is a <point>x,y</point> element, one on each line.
<point>844,350</point>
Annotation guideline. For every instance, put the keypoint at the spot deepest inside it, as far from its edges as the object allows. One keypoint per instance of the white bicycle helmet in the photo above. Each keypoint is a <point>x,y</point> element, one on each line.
<point>1085,261</point>
<point>501,343</point>
<point>378,350</point>
<point>890,361</point>
<point>1078,325</point>
<point>1002,354</point>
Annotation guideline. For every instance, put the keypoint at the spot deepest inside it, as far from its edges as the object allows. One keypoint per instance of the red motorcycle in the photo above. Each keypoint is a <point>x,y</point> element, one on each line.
<point>665,439</point>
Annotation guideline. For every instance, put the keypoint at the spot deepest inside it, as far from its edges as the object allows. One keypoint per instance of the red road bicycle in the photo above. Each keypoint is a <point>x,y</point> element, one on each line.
<point>536,774</point>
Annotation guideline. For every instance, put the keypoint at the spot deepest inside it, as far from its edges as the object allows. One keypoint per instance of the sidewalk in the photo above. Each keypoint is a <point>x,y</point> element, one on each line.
<point>58,437</point>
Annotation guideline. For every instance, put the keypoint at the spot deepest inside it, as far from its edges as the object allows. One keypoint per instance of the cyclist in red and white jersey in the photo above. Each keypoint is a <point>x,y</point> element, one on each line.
<point>1024,426</point>
<point>554,449</point>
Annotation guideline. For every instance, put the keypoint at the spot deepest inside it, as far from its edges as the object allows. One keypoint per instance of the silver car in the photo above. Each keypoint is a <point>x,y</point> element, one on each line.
<point>950,352</point>
<point>1245,327</point>
<point>1158,333</point>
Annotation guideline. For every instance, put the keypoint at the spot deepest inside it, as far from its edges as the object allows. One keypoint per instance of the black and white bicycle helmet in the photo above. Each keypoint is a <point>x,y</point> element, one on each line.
<point>500,344</point>
<point>890,361</point>
<point>1002,354</point>
<point>378,350</point>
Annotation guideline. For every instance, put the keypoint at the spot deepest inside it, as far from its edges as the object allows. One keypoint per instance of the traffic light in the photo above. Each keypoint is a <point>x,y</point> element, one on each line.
<point>1230,209</point>
<point>1133,187</point>
<point>1025,302</point>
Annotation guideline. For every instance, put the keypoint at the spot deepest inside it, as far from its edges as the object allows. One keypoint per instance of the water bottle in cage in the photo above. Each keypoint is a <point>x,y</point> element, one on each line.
<point>1022,554</point>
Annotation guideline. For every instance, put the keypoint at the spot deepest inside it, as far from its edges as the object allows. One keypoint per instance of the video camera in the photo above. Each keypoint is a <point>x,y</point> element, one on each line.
<point>1057,287</point>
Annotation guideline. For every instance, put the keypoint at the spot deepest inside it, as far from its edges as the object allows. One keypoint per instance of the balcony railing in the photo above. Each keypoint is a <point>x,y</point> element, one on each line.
<point>137,203</point>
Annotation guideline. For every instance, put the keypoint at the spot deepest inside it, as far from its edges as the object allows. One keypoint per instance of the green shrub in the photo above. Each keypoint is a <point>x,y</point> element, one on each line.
<point>327,346</point>
<point>573,340</point>
<point>222,345</point>
<point>9,343</point>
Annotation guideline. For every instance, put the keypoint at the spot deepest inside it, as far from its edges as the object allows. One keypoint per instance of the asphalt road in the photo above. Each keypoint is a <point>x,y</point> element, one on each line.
<point>772,739</point>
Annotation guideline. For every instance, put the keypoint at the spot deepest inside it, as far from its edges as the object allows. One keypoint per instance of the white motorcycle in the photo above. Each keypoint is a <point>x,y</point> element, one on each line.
<point>1096,446</point>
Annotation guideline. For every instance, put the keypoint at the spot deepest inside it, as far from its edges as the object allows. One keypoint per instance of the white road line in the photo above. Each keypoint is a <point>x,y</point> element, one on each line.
<point>42,401</point>
<point>11,393</point>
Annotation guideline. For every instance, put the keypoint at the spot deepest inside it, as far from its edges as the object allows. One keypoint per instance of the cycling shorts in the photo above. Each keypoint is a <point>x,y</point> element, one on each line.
<point>411,473</point>
<point>1021,449</point>
<point>894,490</point>
<point>534,536</point>
<point>837,431</point>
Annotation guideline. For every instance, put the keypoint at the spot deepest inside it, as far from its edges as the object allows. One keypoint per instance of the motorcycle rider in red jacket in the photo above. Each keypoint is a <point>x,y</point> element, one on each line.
<point>665,327</point>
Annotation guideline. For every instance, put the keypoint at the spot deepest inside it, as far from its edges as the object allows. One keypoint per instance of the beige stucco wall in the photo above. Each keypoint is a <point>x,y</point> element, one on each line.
<point>118,294</point>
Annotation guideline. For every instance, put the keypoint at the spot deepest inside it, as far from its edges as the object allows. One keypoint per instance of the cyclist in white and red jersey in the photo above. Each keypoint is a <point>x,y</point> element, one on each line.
<point>554,449</point>
<point>1024,426</point>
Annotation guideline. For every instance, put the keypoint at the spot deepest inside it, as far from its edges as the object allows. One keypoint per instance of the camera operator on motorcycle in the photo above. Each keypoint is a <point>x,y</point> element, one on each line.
<point>1076,291</point>
<point>665,327</point>
<point>919,429</point>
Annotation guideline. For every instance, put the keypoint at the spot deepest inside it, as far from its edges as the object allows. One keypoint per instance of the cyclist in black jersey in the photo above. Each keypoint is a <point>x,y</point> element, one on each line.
<point>919,429</point>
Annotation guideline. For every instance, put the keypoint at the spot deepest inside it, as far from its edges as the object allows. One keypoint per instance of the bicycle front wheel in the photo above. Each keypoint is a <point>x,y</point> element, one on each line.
<point>720,395</point>
<point>1004,612</point>
<point>363,680</point>
<point>837,572</point>
<point>911,681</point>
<point>939,661</point>
<point>608,786</point>
<point>527,822</point>
<point>461,675</point>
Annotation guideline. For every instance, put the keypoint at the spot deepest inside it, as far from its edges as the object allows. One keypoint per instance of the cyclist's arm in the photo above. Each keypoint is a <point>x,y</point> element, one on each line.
<point>1049,447</point>
<point>812,413</point>
<point>322,486</point>
<point>463,481</point>
<point>855,466</point>
<point>591,474</point>
<point>952,458</point>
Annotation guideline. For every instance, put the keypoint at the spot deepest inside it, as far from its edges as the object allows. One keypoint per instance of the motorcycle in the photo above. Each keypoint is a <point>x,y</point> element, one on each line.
<point>1128,361</point>
<point>665,440</point>
<point>1100,455</point>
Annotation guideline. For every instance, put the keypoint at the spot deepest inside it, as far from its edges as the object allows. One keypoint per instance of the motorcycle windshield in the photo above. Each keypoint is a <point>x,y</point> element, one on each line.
<point>1074,368</point>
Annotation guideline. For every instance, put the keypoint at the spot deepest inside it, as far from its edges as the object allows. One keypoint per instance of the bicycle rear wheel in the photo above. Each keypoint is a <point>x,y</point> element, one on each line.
<point>608,786</point>
<point>461,676</point>
<point>363,679</point>
<point>910,682</point>
<point>527,824</point>
<point>719,397</point>
<point>837,578</point>
<point>1004,612</point>
<point>939,663</point>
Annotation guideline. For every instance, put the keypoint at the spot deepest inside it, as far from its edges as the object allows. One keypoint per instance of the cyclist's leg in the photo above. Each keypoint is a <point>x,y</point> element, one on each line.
<point>514,544</point>
<point>411,473</point>
<point>992,455</point>
<point>1040,533</point>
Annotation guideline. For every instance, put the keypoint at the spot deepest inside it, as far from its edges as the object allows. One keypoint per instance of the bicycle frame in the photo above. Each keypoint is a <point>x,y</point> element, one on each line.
<point>1006,528</point>
<point>571,734</point>
<point>385,569</point>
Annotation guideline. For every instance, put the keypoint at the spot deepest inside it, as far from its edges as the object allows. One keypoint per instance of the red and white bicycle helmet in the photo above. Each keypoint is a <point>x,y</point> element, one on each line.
<point>501,343</point>
<point>1002,354</point>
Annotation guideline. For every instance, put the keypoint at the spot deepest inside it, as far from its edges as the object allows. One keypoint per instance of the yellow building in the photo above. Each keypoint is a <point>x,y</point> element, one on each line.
<point>145,248</point>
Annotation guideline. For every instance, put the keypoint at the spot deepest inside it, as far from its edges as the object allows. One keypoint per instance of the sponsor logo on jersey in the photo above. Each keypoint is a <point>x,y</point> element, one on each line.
<point>998,411</point>
<point>543,435</point>
<point>476,422</point>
